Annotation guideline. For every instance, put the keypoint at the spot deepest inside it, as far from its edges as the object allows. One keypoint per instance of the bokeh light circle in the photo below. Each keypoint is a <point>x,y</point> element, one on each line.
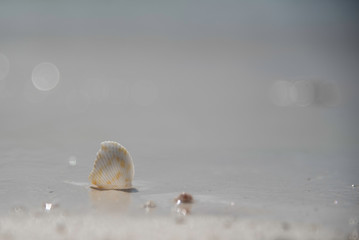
<point>302,93</point>
<point>45,76</point>
<point>280,93</point>
<point>328,93</point>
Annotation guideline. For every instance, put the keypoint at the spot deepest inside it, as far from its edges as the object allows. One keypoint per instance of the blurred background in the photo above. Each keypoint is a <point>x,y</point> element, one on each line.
<point>253,103</point>
<point>190,74</point>
<point>235,74</point>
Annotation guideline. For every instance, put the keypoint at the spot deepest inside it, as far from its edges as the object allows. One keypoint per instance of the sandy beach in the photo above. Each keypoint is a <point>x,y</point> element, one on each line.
<point>248,200</point>
<point>250,107</point>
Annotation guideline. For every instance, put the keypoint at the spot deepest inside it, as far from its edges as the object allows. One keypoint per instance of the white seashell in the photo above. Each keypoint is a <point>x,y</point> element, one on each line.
<point>113,167</point>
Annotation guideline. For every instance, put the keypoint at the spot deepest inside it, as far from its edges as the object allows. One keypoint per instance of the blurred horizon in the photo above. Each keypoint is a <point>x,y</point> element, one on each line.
<point>252,75</point>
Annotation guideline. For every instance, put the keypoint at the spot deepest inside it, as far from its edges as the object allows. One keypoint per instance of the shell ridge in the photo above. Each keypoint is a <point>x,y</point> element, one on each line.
<point>111,172</point>
<point>91,176</point>
<point>107,155</point>
<point>107,169</point>
<point>113,167</point>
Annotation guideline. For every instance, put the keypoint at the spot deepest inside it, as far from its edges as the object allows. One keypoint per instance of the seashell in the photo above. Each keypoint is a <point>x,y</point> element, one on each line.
<point>113,167</point>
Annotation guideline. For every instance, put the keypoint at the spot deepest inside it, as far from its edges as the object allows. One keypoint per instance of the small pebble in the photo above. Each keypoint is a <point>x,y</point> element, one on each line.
<point>184,198</point>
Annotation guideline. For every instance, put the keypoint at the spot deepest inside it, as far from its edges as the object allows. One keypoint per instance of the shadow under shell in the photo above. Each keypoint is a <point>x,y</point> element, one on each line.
<point>128,190</point>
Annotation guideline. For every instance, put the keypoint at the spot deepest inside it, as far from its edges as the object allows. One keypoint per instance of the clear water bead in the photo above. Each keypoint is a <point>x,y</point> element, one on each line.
<point>48,206</point>
<point>72,161</point>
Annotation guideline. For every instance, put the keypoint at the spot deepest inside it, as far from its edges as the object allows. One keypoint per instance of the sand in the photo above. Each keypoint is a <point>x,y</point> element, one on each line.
<point>62,225</point>
<point>251,108</point>
<point>237,197</point>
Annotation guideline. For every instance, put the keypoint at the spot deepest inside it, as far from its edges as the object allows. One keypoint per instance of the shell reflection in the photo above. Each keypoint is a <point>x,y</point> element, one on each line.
<point>110,201</point>
<point>184,209</point>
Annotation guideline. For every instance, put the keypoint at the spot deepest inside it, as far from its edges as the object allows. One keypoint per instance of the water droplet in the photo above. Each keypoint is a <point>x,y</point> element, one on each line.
<point>335,202</point>
<point>232,204</point>
<point>48,206</point>
<point>45,76</point>
<point>72,161</point>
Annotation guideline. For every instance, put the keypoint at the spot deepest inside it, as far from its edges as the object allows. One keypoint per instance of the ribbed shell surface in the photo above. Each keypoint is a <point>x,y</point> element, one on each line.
<point>113,167</point>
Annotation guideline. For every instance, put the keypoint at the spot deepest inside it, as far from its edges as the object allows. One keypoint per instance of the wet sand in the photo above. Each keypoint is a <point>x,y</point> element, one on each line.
<point>235,195</point>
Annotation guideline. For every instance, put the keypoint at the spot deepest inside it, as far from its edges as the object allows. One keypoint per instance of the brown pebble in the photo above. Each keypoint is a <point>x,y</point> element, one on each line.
<point>184,198</point>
